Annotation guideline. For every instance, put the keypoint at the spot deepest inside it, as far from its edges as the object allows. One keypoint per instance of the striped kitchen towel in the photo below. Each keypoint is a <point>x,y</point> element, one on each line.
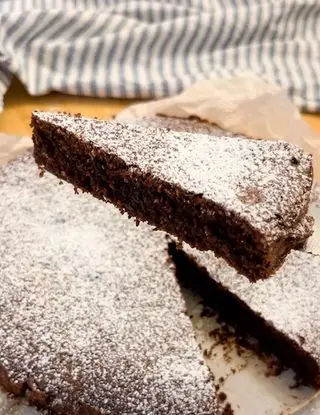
<point>155,48</point>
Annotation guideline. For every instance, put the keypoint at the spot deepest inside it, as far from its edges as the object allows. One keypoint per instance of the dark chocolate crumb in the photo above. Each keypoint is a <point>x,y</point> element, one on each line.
<point>294,161</point>
<point>228,410</point>
<point>222,396</point>
<point>41,171</point>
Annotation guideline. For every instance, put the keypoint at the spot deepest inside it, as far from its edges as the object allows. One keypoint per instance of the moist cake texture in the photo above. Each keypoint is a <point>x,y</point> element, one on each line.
<point>282,311</point>
<point>92,320</point>
<point>242,198</point>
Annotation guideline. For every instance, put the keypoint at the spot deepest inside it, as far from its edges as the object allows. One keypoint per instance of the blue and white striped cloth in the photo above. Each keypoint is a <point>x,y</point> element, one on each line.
<point>155,48</point>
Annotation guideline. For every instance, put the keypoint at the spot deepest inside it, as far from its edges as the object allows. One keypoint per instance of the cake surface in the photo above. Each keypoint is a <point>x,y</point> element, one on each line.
<point>189,125</point>
<point>284,311</point>
<point>209,191</point>
<point>92,319</point>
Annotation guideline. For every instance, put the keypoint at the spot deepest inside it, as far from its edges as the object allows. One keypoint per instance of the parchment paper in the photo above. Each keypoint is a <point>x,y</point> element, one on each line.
<point>250,107</point>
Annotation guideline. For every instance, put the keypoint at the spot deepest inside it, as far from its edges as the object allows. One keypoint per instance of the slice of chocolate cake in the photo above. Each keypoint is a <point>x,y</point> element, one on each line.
<point>242,198</point>
<point>92,320</point>
<point>283,312</point>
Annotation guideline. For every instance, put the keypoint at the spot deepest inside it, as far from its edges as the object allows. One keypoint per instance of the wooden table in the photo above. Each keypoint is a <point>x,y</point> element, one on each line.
<point>15,117</point>
<point>18,106</point>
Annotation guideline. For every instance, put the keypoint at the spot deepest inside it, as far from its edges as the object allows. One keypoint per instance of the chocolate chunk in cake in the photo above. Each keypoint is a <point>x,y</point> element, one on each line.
<point>242,198</point>
<point>283,312</point>
<point>92,319</point>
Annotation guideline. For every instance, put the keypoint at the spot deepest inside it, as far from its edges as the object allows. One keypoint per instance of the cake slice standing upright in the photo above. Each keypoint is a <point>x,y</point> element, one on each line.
<point>244,199</point>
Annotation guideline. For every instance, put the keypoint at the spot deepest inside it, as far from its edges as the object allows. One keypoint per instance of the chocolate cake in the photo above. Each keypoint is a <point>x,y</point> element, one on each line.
<point>92,320</point>
<point>189,125</point>
<point>283,312</point>
<point>245,199</point>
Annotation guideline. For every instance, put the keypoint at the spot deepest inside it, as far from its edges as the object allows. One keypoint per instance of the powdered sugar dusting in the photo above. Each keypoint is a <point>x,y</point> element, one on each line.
<point>316,194</point>
<point>91,313</point>
<point>179,124</point>
<point>266,183</point>
<point>289,300</point>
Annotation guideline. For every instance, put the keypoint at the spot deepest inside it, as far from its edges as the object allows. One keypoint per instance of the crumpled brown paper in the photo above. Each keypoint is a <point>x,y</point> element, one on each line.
<point>245,105</point>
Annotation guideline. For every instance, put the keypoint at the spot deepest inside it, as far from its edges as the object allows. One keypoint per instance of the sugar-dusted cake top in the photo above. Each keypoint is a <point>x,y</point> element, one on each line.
<point>289,300</point>
<point>190,125</point>
<point>267,183</point>
<point>90,308</point>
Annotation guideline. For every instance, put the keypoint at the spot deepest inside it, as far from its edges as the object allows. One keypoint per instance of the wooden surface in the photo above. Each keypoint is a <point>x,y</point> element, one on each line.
<point>15,117</point>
